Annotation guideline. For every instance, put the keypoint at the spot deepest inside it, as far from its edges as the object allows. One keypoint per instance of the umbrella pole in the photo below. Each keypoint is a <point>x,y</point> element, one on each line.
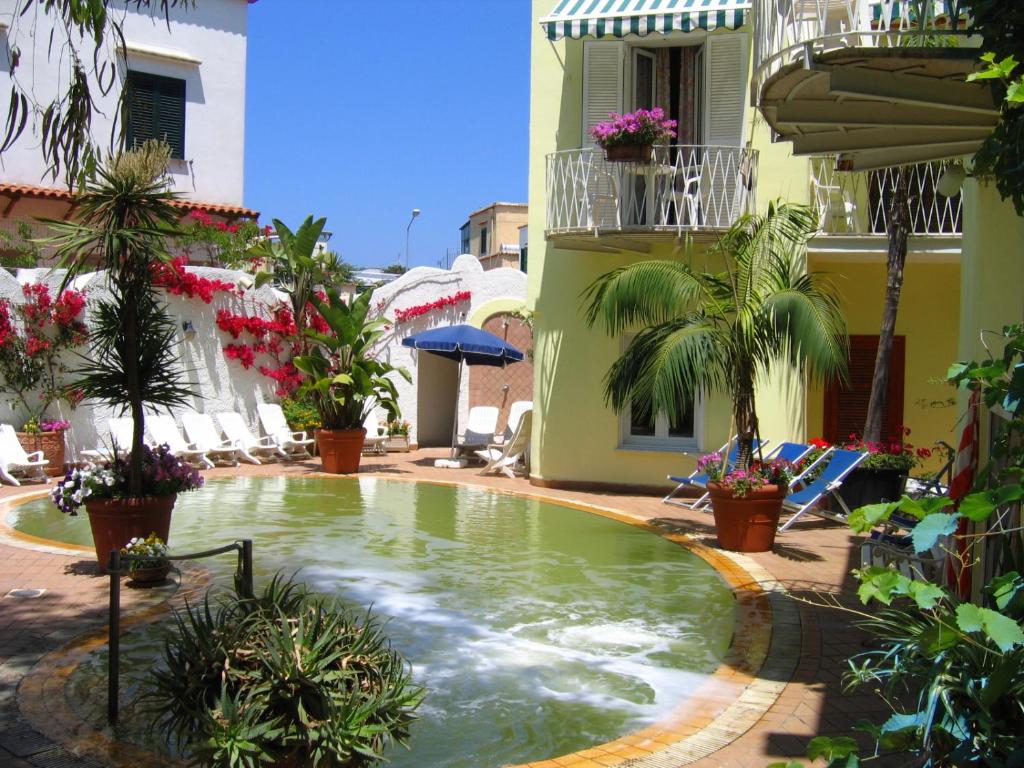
<point>455,418</point>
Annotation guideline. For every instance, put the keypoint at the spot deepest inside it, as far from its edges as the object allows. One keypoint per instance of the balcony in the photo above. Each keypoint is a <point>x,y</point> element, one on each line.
<point>857,204</point>
<point>881,82</point>
<point>685,189</point>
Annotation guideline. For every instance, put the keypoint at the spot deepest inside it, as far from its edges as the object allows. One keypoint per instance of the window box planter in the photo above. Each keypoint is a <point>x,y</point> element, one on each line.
<point>52,446</point>
<point>398,444</point>
<point>629,153</point>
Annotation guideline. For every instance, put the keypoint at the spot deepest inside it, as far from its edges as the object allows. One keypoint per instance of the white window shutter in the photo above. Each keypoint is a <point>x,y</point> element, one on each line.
<point>725,84</point>
<point>726,88</point>
<point>602,83</point>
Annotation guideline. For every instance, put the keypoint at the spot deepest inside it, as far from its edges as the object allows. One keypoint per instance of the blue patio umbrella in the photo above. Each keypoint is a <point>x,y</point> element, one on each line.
<point>464,344</point>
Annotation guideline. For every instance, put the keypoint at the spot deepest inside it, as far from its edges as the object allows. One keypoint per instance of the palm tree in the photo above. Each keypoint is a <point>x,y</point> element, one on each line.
<point>722,331</point>
<point>124,217</point>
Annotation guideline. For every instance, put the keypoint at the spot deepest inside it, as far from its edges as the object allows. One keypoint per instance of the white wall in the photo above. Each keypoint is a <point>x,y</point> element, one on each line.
<point>425,284</point>
<point>214,33</point>
<point>219,384</point>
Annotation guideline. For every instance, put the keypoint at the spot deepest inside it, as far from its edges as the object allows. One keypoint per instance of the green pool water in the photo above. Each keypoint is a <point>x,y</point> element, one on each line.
<point>537,629</point>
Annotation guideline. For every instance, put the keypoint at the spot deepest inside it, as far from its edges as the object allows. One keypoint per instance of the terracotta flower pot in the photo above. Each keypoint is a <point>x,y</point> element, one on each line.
<point>52,446</point>
<point>340,449</point>
<point>629,153</point>
<point>150,576</point>
<point>115,522</point>
<point>747,524</point>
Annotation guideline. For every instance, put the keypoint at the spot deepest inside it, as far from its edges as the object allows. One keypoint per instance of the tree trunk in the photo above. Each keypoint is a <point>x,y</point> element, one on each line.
<point>745,418</point>
<point>131,370</point>
<point>899,229</point>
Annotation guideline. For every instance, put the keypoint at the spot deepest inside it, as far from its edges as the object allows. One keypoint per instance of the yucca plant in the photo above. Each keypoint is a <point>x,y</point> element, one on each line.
<point>702,331</point>
<point>124,217</point>
<point>284,678</point>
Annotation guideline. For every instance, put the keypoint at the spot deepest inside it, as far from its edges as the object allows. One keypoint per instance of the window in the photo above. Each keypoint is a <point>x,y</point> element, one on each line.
<point>155,107</point>
<point>640,428</point>
<point>483,241</point>
<point>464,238</point>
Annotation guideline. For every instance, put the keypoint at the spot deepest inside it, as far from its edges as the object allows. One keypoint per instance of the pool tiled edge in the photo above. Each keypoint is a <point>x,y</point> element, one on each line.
<point>760,662</point>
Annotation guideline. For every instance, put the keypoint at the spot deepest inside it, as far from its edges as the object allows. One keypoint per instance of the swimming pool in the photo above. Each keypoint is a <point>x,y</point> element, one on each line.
<point>538,629</point>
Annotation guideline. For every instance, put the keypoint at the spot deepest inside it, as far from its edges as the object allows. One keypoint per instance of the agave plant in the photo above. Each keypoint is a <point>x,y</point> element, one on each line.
<point>706,331</point>
<point>286,678</point>
<point>346,379</point>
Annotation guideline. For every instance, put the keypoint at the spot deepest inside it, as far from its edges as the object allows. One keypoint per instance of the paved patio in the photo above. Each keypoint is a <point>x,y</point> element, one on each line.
<point>814,557</point>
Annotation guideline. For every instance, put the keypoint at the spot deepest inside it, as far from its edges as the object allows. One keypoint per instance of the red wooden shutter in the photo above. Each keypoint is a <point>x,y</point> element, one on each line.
<point>847,408</point>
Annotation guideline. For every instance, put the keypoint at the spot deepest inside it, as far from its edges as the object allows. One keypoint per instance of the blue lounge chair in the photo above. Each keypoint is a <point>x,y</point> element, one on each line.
<point>700,479</point>
<point>791,452</point>
<point>836,465</point>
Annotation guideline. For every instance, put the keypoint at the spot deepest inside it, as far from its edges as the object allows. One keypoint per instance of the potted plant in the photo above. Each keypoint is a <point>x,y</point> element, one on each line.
<point>702,332</point>
<point>116,512</point>
<point>746,502</point>
<point>153,566</point>
<point>882,475</point>
<point>398,436</point>
<point>46,436</point>
<point>125,215</point>
<point>345,379</point>
<point>631,137</point>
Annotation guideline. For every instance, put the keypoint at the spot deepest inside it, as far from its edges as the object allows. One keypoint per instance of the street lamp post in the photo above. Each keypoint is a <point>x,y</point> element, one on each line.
<point>415,213</point>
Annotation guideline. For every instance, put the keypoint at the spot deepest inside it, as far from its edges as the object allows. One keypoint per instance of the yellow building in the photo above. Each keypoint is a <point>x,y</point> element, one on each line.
<point>492,234</point>
<point>588,216</point>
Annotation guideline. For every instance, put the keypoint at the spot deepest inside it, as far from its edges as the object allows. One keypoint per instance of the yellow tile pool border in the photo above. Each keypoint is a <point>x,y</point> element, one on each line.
<point>712,717</point>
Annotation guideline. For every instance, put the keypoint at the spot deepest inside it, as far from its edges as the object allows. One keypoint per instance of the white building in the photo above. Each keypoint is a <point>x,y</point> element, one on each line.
<point>185,84</point>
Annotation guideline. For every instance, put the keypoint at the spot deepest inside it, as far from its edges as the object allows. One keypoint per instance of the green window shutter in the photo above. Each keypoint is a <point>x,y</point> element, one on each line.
<point>156,110</point>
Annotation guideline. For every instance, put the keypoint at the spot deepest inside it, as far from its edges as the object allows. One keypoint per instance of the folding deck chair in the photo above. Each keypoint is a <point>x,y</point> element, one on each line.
<point>510,455</point>
<point>700,480</point>
<point>294,444</point>
<point>836,464</point>
<point>164,431</point>
<point>14,460</point>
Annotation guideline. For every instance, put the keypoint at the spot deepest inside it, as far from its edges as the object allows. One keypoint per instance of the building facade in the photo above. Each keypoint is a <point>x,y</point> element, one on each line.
<point>492,234</point>
<point>184,83</point>
<point>589,216</point>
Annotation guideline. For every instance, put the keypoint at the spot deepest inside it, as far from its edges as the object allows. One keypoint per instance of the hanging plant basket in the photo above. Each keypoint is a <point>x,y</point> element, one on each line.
<point>629,153</point>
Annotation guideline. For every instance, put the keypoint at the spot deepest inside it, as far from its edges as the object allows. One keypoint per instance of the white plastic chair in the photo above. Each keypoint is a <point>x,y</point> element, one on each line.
<point>206,437</point>
<point>120,433</point>
<point>480,428</point>
<point>373,443</point>
<point>295,445</point>
<point>507,457</point>
<point>515,413</point>
<point>14,460</point>
<point>250,448</point>
<point>164,431</point>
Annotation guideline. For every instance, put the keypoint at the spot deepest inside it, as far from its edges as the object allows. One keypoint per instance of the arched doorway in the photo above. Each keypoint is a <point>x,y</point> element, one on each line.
<point>503,386</point>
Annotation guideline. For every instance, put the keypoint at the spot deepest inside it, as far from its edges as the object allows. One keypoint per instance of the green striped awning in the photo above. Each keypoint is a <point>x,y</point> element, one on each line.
<point>619,18</point>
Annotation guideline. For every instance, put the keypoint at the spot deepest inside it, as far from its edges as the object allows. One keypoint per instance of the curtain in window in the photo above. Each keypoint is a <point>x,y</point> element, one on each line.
<point>687,130</point>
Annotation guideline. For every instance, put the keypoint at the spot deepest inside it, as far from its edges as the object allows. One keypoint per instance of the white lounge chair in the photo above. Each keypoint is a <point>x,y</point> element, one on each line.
<point>515,413</point>
<point>206,437</point>
<point>250,448</point>
<point>374,443</point>
<point>164,431</point>
<point>509,456</point>
<point>480,429</point>
<point>295,445</point>
<point>14,460</point>
<point>119,433</point>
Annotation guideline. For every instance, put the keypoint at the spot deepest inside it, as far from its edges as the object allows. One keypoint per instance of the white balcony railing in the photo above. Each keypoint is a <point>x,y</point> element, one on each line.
<point>787,31</point>
<point>858,203</point>
<point>684,188</point>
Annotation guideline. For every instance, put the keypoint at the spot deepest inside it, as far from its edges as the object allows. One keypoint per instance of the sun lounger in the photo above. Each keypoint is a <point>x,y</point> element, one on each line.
<point>480,428</point>
<point>294,445</point>
<point>700,480</point>
<point>374,442</point>
<point>515,413</point>
<point>206,437</point>
<point>250,448</point>
<point>119,441</point>
<point>14,460</point>
<point>835,466</point>
<point>164,431</point>
<point>509,456</point>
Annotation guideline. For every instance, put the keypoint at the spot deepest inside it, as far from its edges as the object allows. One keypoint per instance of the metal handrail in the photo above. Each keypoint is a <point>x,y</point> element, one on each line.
<point>243,584</point>
<point>684,188</point>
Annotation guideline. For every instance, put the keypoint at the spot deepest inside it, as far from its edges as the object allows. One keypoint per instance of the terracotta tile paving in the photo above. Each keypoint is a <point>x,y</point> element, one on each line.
<point>770,716</point>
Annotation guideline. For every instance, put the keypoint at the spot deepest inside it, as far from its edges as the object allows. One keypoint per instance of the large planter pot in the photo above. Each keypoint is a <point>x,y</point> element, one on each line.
<point>398,443</point>
<point>52,446</point>
<point>340,449</point>
<point>629,153</point>
<point>872,486</point>
<point>747,524</point>
<point>115,522</point>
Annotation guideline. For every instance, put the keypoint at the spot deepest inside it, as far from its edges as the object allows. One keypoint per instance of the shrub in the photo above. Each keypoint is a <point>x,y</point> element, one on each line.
<point>287,678</point>
<point>300,413</point>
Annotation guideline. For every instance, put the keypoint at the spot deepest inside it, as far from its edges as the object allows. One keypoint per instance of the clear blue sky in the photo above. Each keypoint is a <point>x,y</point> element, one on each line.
<point>361,124</point>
